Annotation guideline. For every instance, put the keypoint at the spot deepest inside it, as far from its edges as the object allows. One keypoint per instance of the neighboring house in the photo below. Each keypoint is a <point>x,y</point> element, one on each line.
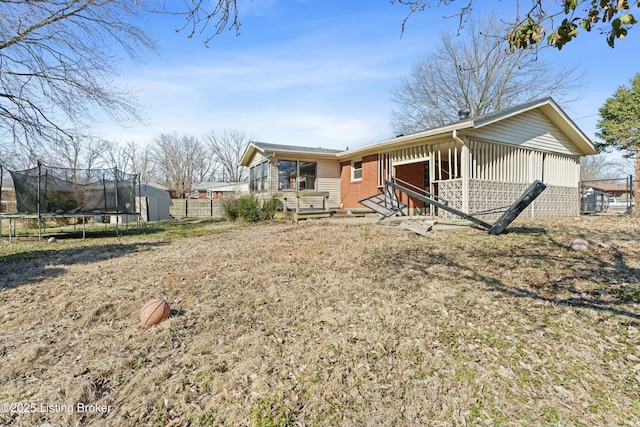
<point>478,164</point>
<point>615,190</point>
<point>218,190</point>
<point>284,169</point>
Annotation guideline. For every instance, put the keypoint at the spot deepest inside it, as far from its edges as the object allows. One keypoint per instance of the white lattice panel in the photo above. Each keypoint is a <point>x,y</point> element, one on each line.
<point>557,202</point>
<point>488,195</point>
<point>450,190</point>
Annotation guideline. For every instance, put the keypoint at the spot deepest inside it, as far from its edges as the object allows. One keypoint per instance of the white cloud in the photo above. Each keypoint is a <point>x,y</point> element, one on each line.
<point>313,129</point>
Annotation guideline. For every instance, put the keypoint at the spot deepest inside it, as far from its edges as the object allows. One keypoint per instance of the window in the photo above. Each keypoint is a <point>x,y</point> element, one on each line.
<point>287,174</point>
<point>252,180</point>
<point>265,176</point>
<point>259,177</point>
<point>356,170</point>
<point>294,175</point>
<point>307,179</point>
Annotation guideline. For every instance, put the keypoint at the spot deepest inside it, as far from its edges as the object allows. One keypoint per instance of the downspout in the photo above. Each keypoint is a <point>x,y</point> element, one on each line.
<point>464,170</point>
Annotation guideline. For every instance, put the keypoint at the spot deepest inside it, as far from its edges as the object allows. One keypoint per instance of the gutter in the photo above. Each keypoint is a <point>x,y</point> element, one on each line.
<point>390,144</point>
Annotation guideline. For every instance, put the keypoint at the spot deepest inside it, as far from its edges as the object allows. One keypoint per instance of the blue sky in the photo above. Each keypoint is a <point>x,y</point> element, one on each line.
<point>320,72</point>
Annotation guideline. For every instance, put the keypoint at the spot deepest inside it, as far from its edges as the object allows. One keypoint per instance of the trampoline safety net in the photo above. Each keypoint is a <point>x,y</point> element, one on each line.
<point>64,191</point>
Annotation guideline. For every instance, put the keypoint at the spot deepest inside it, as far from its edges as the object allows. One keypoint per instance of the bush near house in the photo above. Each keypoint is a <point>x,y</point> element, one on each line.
<point>249,208</point>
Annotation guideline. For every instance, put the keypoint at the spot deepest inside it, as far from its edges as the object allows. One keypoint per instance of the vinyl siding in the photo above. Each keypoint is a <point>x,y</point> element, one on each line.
<point>532,130</point>
<point>257,159</point>
<point>328,178</point>
<point>505,163</point>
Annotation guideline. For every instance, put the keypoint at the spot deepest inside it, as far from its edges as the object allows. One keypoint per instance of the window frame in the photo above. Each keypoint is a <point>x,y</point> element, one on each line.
<point>354,170</point>
<point>306,176</point>
<point>259,178</point>
<point>265,177</point>
<point>297,182</point>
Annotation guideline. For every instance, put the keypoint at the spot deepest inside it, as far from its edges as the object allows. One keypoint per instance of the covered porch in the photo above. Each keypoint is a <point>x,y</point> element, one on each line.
<point>481,177</point>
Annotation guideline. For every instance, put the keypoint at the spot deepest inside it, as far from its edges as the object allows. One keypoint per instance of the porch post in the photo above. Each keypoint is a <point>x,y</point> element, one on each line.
<point>465,162</point>
<point>432,177</point>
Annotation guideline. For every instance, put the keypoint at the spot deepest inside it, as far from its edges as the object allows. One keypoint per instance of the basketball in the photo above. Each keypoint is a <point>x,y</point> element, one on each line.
<point>579,245</point>
<point>154,311</point>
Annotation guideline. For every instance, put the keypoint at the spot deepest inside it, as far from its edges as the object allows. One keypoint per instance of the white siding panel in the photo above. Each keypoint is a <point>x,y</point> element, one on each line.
<point>329,180</point>
<point>532,130</point>
<point>503,163</point>
<point>257,159</point>
<point>273,177</point>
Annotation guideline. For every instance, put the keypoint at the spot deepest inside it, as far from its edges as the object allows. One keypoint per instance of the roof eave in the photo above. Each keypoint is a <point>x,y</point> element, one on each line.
<point>303,153</point>
<point>248,154</point>
<point>387,144</point>
<point>582,141</point>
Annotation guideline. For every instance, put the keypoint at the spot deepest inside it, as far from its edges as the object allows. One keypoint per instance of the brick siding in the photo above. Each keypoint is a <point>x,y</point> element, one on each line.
<point>352,192</point>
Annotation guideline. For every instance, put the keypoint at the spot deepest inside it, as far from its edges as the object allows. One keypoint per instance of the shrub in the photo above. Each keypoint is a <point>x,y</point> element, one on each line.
<point>230,208</point>
<point>269,209</point>
<point>250,208</point>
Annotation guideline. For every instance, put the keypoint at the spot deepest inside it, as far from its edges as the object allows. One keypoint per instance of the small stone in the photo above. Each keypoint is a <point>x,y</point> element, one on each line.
<point>52,239</point>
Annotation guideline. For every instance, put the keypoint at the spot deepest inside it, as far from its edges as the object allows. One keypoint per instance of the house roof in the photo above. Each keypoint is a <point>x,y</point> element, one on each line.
<point>609,187</point>
<point>547,106</point>
<point>156,185</point>
<point>212,185</point>
<point>265,148</point>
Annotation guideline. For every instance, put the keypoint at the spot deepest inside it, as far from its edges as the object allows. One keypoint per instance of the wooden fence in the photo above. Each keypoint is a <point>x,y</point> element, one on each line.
<point>189,208</point>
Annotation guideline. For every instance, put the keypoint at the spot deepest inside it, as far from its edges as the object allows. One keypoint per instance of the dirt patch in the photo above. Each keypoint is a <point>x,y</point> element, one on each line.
<point>329,323</point>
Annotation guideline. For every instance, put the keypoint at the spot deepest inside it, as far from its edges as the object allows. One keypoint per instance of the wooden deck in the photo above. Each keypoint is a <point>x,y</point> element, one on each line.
<point>296,212</point>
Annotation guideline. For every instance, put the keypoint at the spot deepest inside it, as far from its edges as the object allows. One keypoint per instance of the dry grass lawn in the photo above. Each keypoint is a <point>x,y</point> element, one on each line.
<point>326,323</point>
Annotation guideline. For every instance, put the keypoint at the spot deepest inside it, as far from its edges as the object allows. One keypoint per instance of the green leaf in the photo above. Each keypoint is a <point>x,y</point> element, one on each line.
<point>628,19</point>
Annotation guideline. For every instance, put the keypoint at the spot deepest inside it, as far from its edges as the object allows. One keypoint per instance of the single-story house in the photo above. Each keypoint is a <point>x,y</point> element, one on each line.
<point>218,190</point>
<point>613,189</point>
<point>476,164</point>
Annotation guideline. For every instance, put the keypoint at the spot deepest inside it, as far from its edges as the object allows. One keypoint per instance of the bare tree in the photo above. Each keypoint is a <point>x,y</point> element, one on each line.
<point>132,158</point>
<point>57,59</point>
<point>558,21</point>
<point>208,18</point>
<point>477,73</point>
<point>181,161</point>
<point>227,147</point>
<point>601,167</point>
<point>75,153</point>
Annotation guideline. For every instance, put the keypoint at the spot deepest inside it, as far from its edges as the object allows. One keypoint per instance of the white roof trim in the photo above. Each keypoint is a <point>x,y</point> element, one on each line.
<point>561,120</point>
